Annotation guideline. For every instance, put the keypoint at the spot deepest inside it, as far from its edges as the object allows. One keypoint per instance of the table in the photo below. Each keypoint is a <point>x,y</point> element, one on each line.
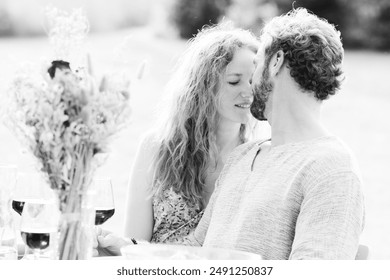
<point>180,252</point>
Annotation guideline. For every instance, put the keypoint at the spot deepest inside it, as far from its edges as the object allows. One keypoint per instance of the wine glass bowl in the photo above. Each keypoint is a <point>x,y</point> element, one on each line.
<point>39,223</point>
<point>102,215</point>
<point>18,206</point>
<point>36,240</point>
<point>104,200</point>
<point>29,186</point>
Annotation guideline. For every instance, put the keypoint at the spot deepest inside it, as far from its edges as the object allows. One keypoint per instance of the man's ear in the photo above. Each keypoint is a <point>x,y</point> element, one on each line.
<point>276,63</point>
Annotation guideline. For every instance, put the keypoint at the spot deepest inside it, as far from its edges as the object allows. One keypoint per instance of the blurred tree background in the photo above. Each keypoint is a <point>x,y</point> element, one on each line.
<point>189,15</point>
<point>364,24</point>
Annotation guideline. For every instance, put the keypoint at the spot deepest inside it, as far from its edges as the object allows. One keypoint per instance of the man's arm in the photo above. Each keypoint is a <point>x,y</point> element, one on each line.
<point>331,218</point>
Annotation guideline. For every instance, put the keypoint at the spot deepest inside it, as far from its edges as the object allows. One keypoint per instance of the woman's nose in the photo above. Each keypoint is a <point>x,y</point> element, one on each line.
<point>247,91</point>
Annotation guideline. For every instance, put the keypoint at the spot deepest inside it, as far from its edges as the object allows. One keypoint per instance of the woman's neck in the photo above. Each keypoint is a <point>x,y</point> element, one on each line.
<point>228,135</point>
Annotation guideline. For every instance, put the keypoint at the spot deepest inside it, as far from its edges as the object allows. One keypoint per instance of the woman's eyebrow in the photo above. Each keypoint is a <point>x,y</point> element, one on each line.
<point>235,74</point>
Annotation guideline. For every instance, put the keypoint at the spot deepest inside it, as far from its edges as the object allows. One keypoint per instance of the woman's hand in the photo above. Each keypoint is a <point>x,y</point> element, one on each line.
<point>107,244</point>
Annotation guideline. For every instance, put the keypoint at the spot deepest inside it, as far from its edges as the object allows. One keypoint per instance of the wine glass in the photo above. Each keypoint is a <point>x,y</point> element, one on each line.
<point>104,200</point>
<point>29,186</point>
<point>39,225</point>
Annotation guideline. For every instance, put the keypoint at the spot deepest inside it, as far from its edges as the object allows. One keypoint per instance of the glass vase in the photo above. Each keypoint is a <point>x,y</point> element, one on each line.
<point>76,230</point>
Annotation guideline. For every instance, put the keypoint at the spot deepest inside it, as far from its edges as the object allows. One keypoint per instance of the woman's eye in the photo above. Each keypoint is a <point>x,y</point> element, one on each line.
<point>234,83</point>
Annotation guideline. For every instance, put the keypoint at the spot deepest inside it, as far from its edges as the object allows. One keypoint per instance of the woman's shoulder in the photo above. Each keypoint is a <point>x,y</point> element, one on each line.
<point>150,140</point>
<point>148,147</point>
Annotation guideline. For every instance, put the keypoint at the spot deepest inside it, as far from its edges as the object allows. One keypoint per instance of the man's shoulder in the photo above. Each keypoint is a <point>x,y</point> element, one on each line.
<point>330,162</point>
<point>332,148</point>
<point>333,155</point>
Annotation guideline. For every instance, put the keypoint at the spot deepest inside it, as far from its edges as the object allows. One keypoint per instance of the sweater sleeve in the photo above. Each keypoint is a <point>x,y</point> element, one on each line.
<point>330,219</point>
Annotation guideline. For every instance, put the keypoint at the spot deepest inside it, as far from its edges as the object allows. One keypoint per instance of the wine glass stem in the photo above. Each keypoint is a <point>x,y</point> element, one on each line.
<point>36,254</point>
<point>25,251</point>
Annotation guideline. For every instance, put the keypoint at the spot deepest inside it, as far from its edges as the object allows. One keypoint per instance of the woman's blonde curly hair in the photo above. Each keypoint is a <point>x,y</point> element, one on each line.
<point>187,134</point>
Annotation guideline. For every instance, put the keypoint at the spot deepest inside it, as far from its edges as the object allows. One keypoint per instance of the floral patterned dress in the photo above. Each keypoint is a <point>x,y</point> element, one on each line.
<point>174,217</point>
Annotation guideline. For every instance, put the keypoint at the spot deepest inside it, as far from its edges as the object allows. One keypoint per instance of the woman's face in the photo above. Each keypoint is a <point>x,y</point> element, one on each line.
<point>235,94</point>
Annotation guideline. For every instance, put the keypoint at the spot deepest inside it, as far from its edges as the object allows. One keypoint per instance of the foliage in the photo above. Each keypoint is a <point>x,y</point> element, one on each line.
<point>66,31</point>
<point>5,23</point>
<point>190,15</point>
<point>381,28</point>
<point>357,20</point>
<point>55,118</point>
<point>363,23</point>
<point>252,14</point>
<point>335,11</point>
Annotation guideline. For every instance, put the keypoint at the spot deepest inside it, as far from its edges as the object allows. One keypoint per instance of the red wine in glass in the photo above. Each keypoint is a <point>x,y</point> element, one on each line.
<point>36,240</point>
<point>102,215</point>
<point>18,206</point>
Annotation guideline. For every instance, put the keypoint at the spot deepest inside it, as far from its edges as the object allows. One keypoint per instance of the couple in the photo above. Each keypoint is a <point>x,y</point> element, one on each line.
<point>297,196</point>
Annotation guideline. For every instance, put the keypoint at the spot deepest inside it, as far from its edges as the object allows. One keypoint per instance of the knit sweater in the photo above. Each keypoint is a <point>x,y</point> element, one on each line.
<point>301,201</point>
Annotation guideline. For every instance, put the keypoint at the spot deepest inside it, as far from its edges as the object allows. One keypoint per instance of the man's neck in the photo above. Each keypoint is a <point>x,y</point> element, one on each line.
<point>295,117</point>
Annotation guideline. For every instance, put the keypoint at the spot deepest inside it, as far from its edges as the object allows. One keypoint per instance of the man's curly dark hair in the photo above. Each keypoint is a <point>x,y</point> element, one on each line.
<point>312,48</point>
<point>60,64</point>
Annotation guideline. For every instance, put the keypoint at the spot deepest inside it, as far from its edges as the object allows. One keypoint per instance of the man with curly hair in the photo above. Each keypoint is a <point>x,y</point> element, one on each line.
<point>298,196</point>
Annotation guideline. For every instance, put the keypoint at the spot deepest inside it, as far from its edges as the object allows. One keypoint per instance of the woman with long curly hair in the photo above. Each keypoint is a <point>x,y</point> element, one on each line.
<point>178,163</point>
<point>208,115</point>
